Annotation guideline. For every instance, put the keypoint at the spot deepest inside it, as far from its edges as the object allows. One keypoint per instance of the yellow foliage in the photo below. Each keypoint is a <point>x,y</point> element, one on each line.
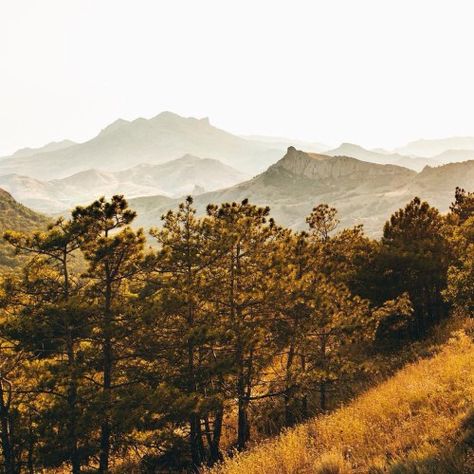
<point>419,421</point>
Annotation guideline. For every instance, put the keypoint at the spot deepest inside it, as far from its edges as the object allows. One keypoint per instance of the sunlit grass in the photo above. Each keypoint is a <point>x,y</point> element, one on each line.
<point>419,421</point>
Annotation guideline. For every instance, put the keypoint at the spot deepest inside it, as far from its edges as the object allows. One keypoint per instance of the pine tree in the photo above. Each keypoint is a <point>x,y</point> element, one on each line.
<point>460,287</point>
<point>291,287</point>
<point>463,206</point>
<point>189,328</point>
<point>241,280</point>
<point>414,259</point>
<point>114,253</point>
<point>50,319</point>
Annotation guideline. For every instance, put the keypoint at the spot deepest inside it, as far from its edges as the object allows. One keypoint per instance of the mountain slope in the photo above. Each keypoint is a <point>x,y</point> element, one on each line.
<point>125,144</point>
<point>454,156</point>
<point>16,217</point>
<point>364,193</point>
<point>53,146</point>
<point>293,185</point>
<point>175,178</point>
<point>381,157</point>
<point>437,184</point>
<point>419,421</point>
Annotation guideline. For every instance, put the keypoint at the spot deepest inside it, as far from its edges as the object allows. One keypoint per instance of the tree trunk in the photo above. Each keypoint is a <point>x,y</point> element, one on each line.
<point>243,431</point>
<point>195,440</point>
<point>213,436</point>
<point>214,448</point>
<point>322,396</point>
<point>322,385</point>
<point>31,446</point>
<point>107,381</point>
<point>7,448</point>
<point>72,401</point>
<point>288,395</point>
<point>304,401</point>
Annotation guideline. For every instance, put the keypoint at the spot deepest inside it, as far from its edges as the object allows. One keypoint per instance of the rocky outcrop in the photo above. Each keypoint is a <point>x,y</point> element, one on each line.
<point>322,167</point>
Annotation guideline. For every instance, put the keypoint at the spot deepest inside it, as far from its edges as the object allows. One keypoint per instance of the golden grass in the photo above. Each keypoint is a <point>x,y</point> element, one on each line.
<point>419,421</point>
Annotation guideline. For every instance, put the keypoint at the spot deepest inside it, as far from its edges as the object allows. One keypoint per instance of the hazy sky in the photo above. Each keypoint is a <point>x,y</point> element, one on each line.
<point>374,72</point>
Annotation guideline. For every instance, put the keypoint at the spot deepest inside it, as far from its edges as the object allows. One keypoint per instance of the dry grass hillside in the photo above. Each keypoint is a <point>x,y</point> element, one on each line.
<point>419,421</point>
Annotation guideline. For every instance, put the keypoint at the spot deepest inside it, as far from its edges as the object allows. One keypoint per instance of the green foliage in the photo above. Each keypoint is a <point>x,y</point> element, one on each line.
<point>412,258</point>
<point>460,288</point>
<point>231,327</point>
<point>463,206</point>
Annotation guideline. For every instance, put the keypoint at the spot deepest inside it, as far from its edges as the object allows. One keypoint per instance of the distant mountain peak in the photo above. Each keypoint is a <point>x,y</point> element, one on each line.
<point>167,115</point>
<point>317,166</point>
<point>114,126</point>
<point>124,144</point>
<point>347,147</point>
<point>379,157</point>
<point>188,158</point>
<point>171,117</point>
<point>432,147</point>
<point>293,153</point>
<point>52,146</point>
<point>299,162</point>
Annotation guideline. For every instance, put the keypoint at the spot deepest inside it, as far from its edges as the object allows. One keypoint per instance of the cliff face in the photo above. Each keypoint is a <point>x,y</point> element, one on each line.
<point>317,166</point>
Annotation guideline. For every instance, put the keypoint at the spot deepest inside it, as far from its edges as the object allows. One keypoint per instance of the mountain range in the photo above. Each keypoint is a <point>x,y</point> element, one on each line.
<point>382,157</point>
<point>364,193</point>
<point>157,161</point>
<point>431,148</point>
<point>185,175</point>
<point>124,144</point>
<point>53,146</point>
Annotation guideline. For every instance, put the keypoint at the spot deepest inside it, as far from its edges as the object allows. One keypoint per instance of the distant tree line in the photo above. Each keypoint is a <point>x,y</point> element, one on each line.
<point>169,356</point>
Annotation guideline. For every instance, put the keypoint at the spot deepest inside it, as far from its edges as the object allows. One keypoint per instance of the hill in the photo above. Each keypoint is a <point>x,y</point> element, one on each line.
<point>430,148</point>
<point>419,421</point>
<point>382,157</point>
<point>436,184</point>
<point>293,185</point>
<point>454,156</point>
<point>175,178</point>
<point>284,143</point>
<point>364,193</point>
<point>53,146</point>
<point>17,217</point>
<point>124,144</point>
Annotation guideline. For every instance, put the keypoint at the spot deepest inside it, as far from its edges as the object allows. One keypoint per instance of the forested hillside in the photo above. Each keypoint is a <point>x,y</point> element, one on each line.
<point>15,216</point>
<point>232,329</point>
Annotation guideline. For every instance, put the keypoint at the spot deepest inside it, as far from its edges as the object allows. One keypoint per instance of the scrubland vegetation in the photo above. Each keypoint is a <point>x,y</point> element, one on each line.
<point>120,357</point>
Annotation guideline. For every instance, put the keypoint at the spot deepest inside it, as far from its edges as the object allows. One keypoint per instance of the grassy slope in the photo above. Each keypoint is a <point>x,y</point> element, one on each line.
<point>419,421</point>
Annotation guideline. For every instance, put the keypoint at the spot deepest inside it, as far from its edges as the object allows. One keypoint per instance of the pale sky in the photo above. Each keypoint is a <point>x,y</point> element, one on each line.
<point>374,72</point>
